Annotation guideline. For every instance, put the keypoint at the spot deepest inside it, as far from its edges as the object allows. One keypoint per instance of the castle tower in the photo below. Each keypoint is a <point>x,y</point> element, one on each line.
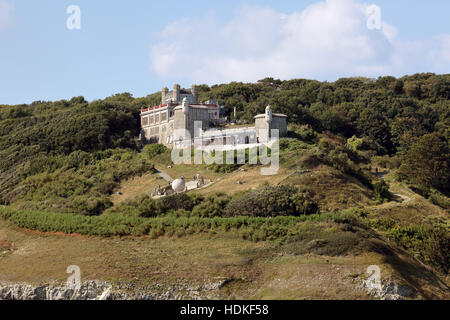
<point>164,93</point>
<point>176,93</point>
<point>194,91</point>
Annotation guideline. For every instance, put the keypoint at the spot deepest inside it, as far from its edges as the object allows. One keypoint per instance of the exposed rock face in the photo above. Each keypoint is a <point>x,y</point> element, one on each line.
<point>88,291</point>
<point>99,290</point>
<point>389,291</point>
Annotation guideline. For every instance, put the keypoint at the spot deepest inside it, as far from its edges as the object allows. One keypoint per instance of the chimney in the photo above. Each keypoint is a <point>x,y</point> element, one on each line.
<point>194,91</point>
<point>164,93</point>
<point>176,93</point>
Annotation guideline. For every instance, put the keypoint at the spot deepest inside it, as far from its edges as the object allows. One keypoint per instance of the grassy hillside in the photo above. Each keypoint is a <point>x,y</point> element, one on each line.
<point>363,180</point>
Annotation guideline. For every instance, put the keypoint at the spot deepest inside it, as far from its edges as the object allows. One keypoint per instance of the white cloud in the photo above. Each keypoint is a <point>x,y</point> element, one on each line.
<point>7,13</point>
<point>327,40</point>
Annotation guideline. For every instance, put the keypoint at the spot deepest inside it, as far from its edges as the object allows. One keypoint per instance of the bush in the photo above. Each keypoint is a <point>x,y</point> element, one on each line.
<point>212,206</point>
<point>77,159</point>
<point>180,201</point>
<point>147,207</point>
<point>427,163</point>
<point>302,132</point>
<point>387,162</point>
<point>153,150</point>
<point>293,145</point>
<point>271,202</point>
<point>278,229</point>
<point>304,205</point>
<point>440,200</point>
<point>90,206</point>
<point>431,244</point>
<point>382,191</point>
<point>355,143</point>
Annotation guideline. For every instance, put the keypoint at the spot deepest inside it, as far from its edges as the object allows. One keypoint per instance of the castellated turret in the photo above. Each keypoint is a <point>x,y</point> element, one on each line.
<point>194,91</point>
<point>164,94</point>
<point>176,93</point>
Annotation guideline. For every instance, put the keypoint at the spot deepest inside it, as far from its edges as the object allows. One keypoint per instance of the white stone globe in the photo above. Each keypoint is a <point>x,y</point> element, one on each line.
<point>178,185</point>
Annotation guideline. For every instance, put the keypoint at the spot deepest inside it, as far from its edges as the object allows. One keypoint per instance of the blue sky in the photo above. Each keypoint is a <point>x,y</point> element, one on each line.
<point>141,46</point>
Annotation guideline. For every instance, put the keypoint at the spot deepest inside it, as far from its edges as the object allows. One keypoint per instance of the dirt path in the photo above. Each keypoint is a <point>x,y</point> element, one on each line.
<point>163,175</point>
<point>400,193</point>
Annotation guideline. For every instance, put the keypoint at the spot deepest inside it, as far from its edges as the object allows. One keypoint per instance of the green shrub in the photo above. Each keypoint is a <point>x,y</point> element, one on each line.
<point>153,150</point>
<point>431,244</point>
<point>212,206</point>
<point>272,201</point>
<point>91,206</point>
<point>116,224</point>
<point>382,191</point>
<point>355,143</point>
<point>293,145</point>
<point>75,183</point>
<point>302,132</point>
<point>147,207</point>
<point>440,200</point>
<point>175,202</point>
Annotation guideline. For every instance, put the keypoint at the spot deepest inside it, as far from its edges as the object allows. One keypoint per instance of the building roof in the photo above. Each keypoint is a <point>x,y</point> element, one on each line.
<point>210,105</point>
<point>195,106</point>
<point>154,108</point>
<point>221,132</point>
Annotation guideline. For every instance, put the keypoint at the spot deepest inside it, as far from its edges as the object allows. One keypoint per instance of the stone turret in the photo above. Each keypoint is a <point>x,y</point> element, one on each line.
<point>269,114</point>
<point>194,91</point>
<point>176,93</point>
<point>164,94</point>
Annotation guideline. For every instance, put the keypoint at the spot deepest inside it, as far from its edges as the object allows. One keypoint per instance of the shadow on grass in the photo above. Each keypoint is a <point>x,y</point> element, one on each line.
<point>410,269</point>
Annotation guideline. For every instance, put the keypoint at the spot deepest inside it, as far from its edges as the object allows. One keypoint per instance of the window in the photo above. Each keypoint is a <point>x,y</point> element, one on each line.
<point>156,118</point>
<point>163,116</point>
<point>144,121</point>
<point>152,119</point>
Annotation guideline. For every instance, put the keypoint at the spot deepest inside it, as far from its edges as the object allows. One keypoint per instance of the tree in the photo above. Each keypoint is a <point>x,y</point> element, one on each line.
<point>355,143</point>
<point>441,88</point>
<point>405,131</point>
<point>427,163</point>
<point>397,86</point>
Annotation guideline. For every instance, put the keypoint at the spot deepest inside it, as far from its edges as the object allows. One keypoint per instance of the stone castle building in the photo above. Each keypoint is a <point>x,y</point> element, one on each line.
<point>173,122</point>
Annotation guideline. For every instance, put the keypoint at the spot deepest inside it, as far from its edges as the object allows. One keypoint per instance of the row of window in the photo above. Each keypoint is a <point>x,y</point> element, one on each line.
<point>155,130</point>
<point>155,118</point>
